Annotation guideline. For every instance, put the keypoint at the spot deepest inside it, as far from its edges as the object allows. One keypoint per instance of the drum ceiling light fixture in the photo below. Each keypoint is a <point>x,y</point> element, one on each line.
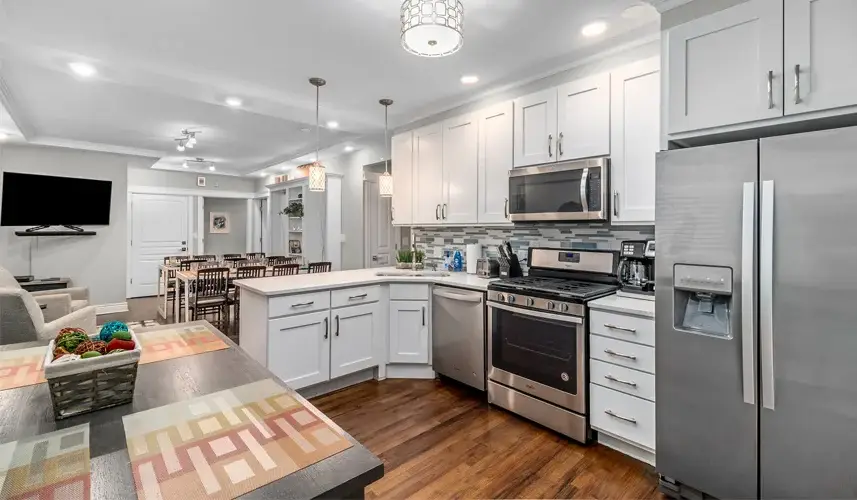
<point>432,28</point>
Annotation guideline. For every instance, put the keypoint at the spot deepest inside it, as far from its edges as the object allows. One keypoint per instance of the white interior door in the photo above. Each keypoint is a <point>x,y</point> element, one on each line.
<point>377,224</point>
<point>159,228</point>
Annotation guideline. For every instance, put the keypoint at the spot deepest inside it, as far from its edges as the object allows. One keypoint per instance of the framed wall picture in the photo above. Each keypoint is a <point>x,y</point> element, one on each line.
<point>218,223</point>
<point>295,246</point>
<point>200,181</point>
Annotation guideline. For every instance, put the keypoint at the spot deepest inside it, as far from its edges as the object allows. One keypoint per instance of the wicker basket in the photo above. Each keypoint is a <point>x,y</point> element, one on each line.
<point>91,384</point>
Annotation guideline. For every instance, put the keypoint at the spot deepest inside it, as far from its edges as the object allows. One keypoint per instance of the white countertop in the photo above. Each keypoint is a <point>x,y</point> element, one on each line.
<point>627,305</point>
<point>286,285</point>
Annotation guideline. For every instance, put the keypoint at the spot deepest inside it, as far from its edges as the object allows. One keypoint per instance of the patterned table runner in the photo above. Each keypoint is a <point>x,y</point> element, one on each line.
<point>225,444</point>
<point>22,367</point>
<point>49,466</point>
<point>160,345</point>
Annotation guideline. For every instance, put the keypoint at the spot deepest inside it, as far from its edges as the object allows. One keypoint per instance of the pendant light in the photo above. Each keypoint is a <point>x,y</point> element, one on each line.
<point>432,28</point>
<point>385,183</point>
<point>317,174</point>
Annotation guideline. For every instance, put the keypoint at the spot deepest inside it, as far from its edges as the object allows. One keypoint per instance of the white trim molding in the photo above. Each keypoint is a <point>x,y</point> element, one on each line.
<point>117,307</point>
<point>208,193</point>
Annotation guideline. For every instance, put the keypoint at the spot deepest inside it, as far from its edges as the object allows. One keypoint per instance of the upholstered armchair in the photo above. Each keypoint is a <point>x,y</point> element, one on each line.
<point>21,318</point>
<point>55,303</point>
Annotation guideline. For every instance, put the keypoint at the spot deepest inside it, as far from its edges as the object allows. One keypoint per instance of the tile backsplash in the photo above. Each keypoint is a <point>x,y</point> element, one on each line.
<point>433,240</point>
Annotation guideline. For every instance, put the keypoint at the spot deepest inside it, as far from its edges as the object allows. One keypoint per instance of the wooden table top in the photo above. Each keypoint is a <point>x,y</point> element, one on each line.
<point>26,412</point>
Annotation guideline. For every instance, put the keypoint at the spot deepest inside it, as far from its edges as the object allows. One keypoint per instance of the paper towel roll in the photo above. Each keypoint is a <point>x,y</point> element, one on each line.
<point>473,254</point>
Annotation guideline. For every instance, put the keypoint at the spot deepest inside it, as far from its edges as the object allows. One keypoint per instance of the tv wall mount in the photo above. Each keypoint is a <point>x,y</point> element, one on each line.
<point>45,231</point>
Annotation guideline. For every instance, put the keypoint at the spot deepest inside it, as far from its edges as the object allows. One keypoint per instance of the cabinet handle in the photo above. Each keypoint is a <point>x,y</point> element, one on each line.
<point>506,209</point>
<point>611,352</point>
<point>615,203</point>
<point>797,84</point>
<point>303,304</point>
<point>424,315</point>
<point>437,212</point>
<point>550,142</point>
<point>620,417</point>
<point>392,213</point>
<point>326,329</point>
<point>361,296</point>
<point>443,212</point>
<point>620,381</point>
<point>770,90</point>
<point>337,325</point>
<point>623,328</point>
<point>559,144</point>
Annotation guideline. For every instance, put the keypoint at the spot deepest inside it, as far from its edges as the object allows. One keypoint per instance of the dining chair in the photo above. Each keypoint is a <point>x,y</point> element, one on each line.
<point>187,265</point>
<point>243,272</point>
<point>255,255</point>
<point>211,294</point>
<point>206,257</point>
<point>285,269</point>
<point>279,259</point>
<point>209,265</point>
<point>320,267</point>
<point>228,256</point>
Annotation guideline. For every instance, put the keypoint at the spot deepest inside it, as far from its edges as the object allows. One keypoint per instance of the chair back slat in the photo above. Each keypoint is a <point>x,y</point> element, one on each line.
<point>187,265</point>
<point>228,256</point>
<point>275,260</point>
<point>319,267</point>
<point>285,269</point>
<point>213,282</point>
<point>247,272</point>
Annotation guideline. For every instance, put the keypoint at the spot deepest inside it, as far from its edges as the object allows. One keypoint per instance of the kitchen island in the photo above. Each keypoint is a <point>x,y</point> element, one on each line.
<point>321,332</point>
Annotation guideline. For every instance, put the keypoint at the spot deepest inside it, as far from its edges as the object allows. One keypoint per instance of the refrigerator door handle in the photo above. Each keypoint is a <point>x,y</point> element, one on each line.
<point>766,294</point>
<point>748,277</point>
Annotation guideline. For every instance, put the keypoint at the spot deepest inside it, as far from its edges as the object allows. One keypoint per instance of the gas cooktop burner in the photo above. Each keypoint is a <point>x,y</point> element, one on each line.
<point>554,286</point>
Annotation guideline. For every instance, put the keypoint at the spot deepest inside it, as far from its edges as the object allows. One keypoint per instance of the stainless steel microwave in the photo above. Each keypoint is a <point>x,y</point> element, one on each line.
<point>576,190</point>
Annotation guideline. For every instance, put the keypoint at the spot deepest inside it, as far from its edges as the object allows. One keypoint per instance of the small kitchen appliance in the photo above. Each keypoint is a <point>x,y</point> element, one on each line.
<point>637,269</point>
<point>488,268</point>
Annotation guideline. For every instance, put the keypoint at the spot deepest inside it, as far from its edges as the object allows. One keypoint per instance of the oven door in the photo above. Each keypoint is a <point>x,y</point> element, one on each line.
<point>573,191</point>
<point>539,353</point>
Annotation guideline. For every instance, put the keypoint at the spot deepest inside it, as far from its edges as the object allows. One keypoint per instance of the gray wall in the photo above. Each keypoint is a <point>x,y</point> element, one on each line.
<point>187,180</point>
<point>98,262</point>
<point>236,240</point>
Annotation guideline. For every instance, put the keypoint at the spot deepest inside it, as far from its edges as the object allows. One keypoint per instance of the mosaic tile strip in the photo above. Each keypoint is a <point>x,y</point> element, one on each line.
<point>433,241</point>
<point>170,343</point>
<point>46,467</point>
<point>225,444</point>
<point>22,367</point>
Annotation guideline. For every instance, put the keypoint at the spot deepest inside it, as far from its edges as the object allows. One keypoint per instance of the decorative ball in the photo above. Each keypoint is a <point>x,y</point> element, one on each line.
<point>60,352</point>
<point>111,327</point>
<point>90,354</point>
<point>71,340</point>
<point>90,345</point>
<point>122,335</point>
<point>114,344</point>
<point>68,330</point>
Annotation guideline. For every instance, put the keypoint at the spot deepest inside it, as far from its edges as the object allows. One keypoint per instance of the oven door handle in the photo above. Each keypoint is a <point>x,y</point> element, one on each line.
<point>538,314</point>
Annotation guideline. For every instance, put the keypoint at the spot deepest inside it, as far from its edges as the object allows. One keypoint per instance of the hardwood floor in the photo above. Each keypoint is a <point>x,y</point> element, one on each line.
<point>442,440</point>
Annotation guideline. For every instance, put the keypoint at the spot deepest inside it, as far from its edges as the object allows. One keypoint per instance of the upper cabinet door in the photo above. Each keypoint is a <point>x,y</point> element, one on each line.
<point>727,68</point>
<point>584,118</point>
<point>535,128</point>
<point>459,169</point>
<point>820,54</point>
<point>428,174</point>
<point>495,162</point>
<point>403,178</point>
<point>636,105</point>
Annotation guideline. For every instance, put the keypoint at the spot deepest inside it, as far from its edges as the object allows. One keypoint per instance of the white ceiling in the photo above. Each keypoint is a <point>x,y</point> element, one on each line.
<point>166,65</point>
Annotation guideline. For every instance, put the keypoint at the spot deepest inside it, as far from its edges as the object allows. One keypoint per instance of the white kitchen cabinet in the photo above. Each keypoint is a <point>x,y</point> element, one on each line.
<point>460,141</point>
<point>635,133</point>
<point>409,331</point>
<point>428,174</point>
<point>583,118</point>
<point>535,128</point>
<point>495,160</point>
<point>820,56</point>
<point>354,330</point>
<point>299,349</point>
<point>726,68</point>
<point>403,178</point>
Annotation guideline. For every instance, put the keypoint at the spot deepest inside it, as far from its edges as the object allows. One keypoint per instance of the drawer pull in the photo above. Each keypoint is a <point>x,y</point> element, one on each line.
<point>622,328</point>
<point>620,381</point>
<point>303,304</point>
<point>620,417</point>
<point>611,352</point>
<point>357,297</point>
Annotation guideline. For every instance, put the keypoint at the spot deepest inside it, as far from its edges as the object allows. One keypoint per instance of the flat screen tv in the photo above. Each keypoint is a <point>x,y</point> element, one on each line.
<point>45,200</point>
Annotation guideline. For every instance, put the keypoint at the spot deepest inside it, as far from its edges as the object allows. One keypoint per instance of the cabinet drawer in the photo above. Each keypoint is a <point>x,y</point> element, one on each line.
<point>618,352</point>
<point>354,296</point>
<point>298,304</point>
<point>622,379</point>
<point>622,415</point>
<point>400,291</point>
<point>622,326</point>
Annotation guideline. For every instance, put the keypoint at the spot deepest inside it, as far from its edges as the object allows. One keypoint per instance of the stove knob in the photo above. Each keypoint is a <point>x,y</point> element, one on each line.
<point>565,308</point>
<point>530,302</point>
<point>501,297</point>
<point>510,299</point>
<point>551,306</point>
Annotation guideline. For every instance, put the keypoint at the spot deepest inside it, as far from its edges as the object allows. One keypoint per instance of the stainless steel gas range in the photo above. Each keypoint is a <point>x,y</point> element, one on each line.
<point>538,328</point>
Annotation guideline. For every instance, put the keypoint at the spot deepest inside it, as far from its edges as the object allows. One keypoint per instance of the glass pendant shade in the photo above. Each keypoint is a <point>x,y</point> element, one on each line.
<point>432,28</point>
<point>317,177</point>
<point>385,185</point>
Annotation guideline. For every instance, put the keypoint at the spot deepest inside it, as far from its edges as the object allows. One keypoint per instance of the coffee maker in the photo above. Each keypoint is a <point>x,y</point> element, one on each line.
<point>637,269</point>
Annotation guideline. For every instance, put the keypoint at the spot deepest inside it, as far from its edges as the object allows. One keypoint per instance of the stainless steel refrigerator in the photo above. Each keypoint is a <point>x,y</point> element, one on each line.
<point>756,314</point>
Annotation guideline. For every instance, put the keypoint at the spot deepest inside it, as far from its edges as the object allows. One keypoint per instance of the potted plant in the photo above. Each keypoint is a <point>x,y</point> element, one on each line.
<point>406,258</point>
<point>295,209</point>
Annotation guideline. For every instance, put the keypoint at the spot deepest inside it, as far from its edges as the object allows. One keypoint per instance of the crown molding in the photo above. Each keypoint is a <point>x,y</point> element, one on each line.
<point>11,106</point>
<point>93,146</point>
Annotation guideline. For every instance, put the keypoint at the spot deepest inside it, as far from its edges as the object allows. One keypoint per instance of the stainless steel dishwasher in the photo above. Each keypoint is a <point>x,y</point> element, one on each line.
<point>458,335</point>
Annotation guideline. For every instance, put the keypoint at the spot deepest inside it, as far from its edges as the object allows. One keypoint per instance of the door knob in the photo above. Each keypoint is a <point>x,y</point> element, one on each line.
<point>184,249</point>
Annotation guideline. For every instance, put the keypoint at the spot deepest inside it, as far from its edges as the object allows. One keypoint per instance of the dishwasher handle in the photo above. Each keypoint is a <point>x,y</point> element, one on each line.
<point>464,297</point>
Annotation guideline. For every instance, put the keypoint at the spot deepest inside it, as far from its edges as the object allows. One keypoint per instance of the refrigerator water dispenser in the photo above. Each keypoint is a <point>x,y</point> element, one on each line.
<point>703,299</point>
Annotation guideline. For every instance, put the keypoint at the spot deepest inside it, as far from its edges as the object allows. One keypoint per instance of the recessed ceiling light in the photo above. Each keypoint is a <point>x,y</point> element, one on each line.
<point>234,102</point>
<point>349,149</point>
<point>3,136</point>
<point>82,69</point>
<point>639,11</point>
<point>332,124</point>
<point>469,79</point>
<point>184,164</point>
<point>263,174</point>
<point>594,29</point>
<point>211,168</point>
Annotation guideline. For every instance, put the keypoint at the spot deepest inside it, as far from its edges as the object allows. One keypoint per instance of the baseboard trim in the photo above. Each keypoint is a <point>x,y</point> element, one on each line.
<point>623,446</point>
<point>118,307</point>
<point>337,383</point>
<point>410,371</point>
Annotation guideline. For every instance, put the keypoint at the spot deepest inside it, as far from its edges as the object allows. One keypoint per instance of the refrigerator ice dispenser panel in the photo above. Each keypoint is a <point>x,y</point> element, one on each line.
<point>703,299</point>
